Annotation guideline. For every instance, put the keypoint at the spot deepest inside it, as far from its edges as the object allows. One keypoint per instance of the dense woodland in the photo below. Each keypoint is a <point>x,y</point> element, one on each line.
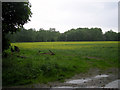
<point>79,34</point>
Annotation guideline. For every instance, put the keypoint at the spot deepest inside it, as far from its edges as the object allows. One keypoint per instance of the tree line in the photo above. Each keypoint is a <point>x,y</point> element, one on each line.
<point>79,34</point>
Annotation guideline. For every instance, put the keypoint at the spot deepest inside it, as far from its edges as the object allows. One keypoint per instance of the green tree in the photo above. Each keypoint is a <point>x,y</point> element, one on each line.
<point>14,16</point>
<point>111,36</point>
<point>84,34</point>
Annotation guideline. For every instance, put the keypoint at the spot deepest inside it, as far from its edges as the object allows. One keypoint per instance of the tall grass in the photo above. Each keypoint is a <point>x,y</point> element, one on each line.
<point>70,58</point>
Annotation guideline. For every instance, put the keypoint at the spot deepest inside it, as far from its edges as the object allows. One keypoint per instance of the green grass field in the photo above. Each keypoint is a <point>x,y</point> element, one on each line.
<point>70,58</point>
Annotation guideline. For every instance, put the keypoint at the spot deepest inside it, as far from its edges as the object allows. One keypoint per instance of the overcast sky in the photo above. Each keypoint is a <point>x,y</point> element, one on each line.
<point>67,14</point>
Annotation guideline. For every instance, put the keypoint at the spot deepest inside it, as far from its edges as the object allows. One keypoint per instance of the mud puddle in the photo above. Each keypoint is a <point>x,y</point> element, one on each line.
<point>96,79</point>
<point>79,81</point>
<point>84,80</point>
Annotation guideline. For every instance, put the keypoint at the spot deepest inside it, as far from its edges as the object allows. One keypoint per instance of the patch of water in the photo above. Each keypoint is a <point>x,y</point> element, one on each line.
<point>63,87</point>
<point>93,87</point>
<point>101,76</point>
<point>78,81</point>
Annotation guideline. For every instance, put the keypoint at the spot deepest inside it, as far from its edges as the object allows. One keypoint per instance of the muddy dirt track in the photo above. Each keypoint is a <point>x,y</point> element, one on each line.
<point>95,78</point>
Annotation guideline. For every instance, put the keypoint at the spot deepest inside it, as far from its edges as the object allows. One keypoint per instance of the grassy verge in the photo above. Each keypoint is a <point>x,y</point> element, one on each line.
<point>70,58</point>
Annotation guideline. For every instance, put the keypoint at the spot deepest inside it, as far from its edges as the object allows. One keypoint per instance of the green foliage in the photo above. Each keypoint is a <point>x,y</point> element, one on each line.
<point>111,36</point>
<point>84,34</point>
<point>14,16</point>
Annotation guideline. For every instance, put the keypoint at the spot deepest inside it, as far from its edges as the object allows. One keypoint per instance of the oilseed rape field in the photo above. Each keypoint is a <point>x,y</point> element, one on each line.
<point>35,63</point>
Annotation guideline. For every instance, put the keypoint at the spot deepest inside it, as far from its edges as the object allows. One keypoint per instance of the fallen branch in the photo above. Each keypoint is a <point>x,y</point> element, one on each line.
<point>52,52</point>
<point>49,53</point>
